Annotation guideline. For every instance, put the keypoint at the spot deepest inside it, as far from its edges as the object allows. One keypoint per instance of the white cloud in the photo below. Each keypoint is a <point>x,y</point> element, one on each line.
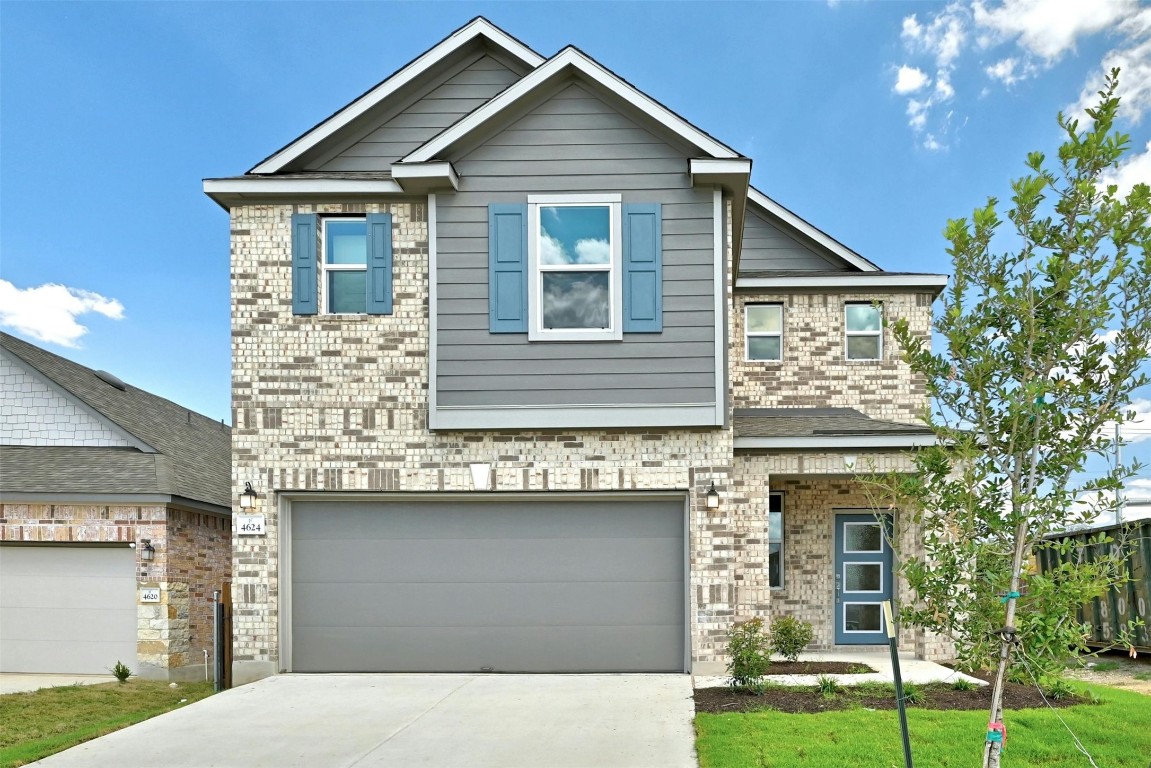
<point>1048,28</point>
<point>942,36</point>
<point>943,88</point>
<point>1138,488</point>
<point>910,80</point>
<point>1138,429</point>
<point>1004,71</point>
<point>48,312</point>
<point>1136,169</point>
<point>1134,63</point>
<point>592,251</point>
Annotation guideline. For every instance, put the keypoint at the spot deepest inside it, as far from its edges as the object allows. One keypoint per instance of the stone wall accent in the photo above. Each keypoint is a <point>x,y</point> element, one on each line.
<point>814,371</point>
<point>33,411</point>
<point>193,553</point>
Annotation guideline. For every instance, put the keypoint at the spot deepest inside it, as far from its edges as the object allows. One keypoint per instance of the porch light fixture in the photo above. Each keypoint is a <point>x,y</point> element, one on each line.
<point>480,476</point>
<point>248,497</point>
<point>712,497</point>
<point>147,551</point>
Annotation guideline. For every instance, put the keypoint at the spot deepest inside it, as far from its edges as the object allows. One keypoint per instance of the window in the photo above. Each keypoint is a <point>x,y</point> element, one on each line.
<point>763,324</point>
<point>344,266</point>
<point>864,325</point>
<point>775,540</point>
<point>574,245</point>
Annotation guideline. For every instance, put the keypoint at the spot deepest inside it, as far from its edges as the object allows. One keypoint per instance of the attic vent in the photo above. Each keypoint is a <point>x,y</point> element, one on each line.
<point>111,380</point>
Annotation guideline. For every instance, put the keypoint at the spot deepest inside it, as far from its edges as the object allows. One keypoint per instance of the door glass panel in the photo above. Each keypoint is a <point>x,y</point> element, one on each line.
<point>861,617</point>
<point>862,537</point>
<point>863,577</point>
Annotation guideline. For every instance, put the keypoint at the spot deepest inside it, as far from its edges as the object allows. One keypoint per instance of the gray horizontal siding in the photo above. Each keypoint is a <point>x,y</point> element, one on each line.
<point>574,142</point>
<point>455,97</point>
<point>766,247</point>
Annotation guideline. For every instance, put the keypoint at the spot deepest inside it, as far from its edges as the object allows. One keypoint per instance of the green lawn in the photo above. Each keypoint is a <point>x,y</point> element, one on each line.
<point>40,723</point>
<point>1117,733</point>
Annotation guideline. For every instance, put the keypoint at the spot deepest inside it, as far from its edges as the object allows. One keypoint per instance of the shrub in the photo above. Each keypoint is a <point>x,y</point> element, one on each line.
<point>747,647</point>
<point>829,687</point>
<point>962,684</point>
<point>789,636</point>
<point>912,694</point>
<point>121,671</point>
<point>1057,689</point>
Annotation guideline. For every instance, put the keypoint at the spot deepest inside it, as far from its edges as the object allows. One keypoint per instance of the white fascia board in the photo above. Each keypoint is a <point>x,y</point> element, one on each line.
<point>805,228</point>
<point>428,172</point>
<point>836,442</point>
<point>714,166</point>
<point>570,57</point>
<point>848,280</point>
<point>275,186</point>
<point>574,416</point>
<point>463,36</point>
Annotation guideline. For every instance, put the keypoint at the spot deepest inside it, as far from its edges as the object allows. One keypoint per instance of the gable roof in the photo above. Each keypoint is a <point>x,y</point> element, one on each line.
<point>762,202</point>
<point>566,61</point>
<point>475,29</point>
<point>178,452</point>
<point>827,428</point>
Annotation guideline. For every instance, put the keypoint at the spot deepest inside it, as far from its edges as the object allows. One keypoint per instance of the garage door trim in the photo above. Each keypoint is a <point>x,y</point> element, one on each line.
<point>284,505</point>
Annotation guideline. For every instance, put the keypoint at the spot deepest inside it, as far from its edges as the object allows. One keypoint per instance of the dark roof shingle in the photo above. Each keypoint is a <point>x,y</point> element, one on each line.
<point>813,422</point>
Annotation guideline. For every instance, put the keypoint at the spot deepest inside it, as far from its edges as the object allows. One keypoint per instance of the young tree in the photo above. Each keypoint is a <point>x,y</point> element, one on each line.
<point>1047,331</point>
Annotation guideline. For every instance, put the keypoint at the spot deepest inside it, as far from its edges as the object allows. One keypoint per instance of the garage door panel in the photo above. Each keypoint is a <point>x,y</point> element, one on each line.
<point>67,609</point>
<point>440,560</point>
<point>463,605</point>
<point>500,649</point>
<point>571,585</point>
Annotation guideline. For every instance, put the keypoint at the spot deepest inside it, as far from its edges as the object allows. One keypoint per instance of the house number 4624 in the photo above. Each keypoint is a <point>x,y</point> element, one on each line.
<point>250,525</point>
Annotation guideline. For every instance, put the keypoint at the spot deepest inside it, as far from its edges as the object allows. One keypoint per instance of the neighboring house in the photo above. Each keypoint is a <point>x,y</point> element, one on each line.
<point>115,522</point>
<point>502,328</point>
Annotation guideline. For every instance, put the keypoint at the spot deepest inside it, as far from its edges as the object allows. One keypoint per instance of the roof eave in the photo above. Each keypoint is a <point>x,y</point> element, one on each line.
<point>933,283</point>
<point>229,192</point>
<point>836,442</point>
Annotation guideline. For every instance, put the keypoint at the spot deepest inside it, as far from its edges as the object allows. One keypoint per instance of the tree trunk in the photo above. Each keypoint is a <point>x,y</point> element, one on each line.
<point>992,749</point>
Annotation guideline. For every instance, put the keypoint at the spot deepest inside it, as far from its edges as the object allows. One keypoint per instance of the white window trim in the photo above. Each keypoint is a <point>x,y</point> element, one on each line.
<point>748,333</point>
<point>325,267</point>
<point>882,540</point>
<point>536,331</point>
<point>847,333</point>
<point>782,541</point>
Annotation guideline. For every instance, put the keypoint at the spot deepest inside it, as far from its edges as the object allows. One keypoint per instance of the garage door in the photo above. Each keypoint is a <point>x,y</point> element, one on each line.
<point>506,586</point>
<point>67,609</point>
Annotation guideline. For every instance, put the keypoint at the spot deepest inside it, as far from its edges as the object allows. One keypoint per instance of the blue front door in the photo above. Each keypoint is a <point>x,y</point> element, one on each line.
<point>862,577</point>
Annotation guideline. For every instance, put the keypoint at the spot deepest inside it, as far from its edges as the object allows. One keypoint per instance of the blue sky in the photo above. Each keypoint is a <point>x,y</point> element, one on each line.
<point>876,121</point>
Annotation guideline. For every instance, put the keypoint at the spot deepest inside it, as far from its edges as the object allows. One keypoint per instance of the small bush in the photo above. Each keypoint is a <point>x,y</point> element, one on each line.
<point>789,636</point>
<point>859,669</point>
<point>962,684</point>
<point>1057,689</point>
<point>748,649</point>
<point>913,694</point>
<point>121,671</point>
<point>829,687</point>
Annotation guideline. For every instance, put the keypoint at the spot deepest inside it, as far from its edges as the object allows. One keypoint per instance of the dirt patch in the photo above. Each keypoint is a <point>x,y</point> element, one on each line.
<point>808,698</point>
<point>817,668</point>
<point>1116,669</point>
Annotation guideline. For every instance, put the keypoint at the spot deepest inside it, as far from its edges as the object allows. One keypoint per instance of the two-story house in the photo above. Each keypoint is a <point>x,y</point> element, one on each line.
<point>527,377</point>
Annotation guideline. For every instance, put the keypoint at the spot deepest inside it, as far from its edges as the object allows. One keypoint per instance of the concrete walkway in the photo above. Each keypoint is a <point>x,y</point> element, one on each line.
<point>433,721</point>
<point>15,682</point>
<point>912,670</point>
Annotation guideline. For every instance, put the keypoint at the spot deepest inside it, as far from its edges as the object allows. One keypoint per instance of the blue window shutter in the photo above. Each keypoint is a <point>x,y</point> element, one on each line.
<point>304,265</point>
<point>508,268</point>
<point>379,282</point>
<point>642,268</point>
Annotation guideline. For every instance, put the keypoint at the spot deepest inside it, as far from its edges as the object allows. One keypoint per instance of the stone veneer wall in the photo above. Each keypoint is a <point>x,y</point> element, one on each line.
<point>814,371</point>
<point>165,634</point>
<point>340,404</point>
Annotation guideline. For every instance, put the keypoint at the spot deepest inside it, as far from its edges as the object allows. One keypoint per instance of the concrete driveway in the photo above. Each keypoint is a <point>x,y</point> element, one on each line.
<point>560,721</point>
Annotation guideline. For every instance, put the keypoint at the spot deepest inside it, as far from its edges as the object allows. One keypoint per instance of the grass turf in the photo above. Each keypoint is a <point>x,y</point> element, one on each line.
<point>40,723</point>
<point>1116,731</point>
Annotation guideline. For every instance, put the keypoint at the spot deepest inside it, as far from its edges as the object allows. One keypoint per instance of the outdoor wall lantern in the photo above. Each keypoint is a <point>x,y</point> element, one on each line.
<point>480,475</point>
<point>248,497</point>
<point>147,551</point>
<point>712,497</point>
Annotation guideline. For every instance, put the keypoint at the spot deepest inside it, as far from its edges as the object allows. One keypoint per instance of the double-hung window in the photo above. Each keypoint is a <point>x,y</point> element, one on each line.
<point>763,324</point>
<point>864,332</point>
<point>775,540</point>
<point>575,265</point>
<point>344,265</point>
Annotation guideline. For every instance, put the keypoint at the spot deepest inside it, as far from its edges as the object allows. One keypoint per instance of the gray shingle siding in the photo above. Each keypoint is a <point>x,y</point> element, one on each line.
<point>575,142</point>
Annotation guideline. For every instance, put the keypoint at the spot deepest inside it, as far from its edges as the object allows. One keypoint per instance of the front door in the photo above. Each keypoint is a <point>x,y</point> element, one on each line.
<point>862,577</point>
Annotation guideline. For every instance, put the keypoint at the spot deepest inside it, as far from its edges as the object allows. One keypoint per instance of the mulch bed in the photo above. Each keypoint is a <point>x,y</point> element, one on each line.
<point>816,668</point>
<point>799,699</point>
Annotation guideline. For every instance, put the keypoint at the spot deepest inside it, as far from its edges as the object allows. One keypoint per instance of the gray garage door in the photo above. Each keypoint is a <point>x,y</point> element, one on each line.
<point>67,609</point>
<point>507,586</point>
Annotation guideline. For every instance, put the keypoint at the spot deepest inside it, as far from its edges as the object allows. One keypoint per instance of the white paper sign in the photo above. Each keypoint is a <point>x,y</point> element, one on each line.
<point>149,594</point>
<point>250,525</point>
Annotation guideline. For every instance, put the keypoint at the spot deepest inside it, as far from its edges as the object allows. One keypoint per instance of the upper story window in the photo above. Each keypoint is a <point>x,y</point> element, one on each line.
<point>574,254</point>
<point>864,332</point>
<point>344,265</point>
<point>763,327</point>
